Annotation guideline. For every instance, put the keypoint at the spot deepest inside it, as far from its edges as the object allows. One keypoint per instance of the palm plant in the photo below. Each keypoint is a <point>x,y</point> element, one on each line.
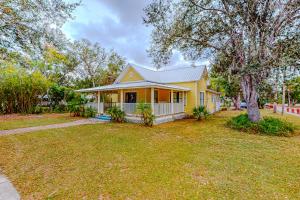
<point>200,112</point>
<point>146,113</point>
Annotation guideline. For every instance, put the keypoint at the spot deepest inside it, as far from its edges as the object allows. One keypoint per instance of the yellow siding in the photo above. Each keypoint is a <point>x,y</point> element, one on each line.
<point>211,106</point>
<point>131,76</point>
<point>191,95</point>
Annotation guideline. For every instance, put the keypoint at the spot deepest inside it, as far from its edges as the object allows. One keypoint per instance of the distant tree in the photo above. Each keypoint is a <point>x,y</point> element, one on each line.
<point>294,90</point>
<point>229,83</point>
<point>115,64</point>
<point>58,66</point>
<point>92,60</point>
<point>248,30</point>
<point>28,25</point>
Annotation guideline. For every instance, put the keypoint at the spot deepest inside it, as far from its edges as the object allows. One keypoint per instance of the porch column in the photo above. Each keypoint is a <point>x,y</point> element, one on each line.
<point>152,100</point>
<point>172,102</point>
<point>121,99</point>
<point>99,109</point>
<point>183,100</point>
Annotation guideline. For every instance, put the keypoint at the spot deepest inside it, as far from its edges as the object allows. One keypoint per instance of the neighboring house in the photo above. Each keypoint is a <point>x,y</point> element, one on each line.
<point>172,93</point>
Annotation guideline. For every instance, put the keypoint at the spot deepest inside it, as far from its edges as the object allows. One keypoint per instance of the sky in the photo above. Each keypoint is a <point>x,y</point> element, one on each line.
<point>118,25</point>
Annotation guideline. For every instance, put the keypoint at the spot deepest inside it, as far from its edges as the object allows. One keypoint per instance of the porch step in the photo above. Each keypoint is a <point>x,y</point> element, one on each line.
<point>104,117</point>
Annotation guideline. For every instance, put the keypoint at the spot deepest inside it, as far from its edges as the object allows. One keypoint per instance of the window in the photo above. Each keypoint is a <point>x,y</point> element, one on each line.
<point>177,97</point>
<point>130,97</point>
<point>201,98</point>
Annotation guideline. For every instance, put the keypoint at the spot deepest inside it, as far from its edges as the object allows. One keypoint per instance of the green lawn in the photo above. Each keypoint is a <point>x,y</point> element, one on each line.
<point>20,121</point>
<point>179,160</point>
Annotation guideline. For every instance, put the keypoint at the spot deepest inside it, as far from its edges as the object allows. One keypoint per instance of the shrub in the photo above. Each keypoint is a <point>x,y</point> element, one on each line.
<point>60,108</point>
<point>76,105</point>
<point>146,114</point>
<point>37,110</point>
<point>274,126</point>
<point>240,122</point>
<point>90,112</point>
<point>45,109</point>
<point>117,115</point>
<point>200,112</point>
<point>267,126</point>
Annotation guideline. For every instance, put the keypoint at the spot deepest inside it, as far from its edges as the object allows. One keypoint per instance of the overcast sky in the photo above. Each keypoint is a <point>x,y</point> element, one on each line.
<point>118,25</point>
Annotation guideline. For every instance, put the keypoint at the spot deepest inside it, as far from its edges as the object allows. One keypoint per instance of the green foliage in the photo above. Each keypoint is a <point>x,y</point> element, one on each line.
<point>146,113</point>
<point>200,113</point>
<point>76,105</point>
<point>293,87</point>
<point>38,110</point>
<point>20,89</point>
<point>240,122</point>
<point>90,112</point>
<point>30,25</point>
<point>117,115</point>
<point>60,108</point>
<point>266,126</point>
<point>274,126</point>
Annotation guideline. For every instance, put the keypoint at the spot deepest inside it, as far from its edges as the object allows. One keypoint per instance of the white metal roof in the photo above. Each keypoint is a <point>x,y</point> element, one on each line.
<point>129,85</point>
<point>183,74</point>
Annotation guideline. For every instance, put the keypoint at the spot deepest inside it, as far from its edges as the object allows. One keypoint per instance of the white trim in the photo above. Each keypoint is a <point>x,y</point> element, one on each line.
<point>121,99</point>
<point>152,100</point>
<point>143,84</point>
<point>98,101</point>
<point>196,93</point>
<point>172,102</point>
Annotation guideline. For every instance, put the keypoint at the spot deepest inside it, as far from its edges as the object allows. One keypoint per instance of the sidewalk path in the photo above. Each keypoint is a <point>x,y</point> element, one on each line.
<point>7,190</point>
<point>51,126</point>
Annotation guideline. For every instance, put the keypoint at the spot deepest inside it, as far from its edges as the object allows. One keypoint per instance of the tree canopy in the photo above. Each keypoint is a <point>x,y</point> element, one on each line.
<point>249,32</point>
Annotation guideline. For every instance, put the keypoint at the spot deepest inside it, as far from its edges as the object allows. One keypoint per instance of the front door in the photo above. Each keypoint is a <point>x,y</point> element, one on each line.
<point>130,97</point>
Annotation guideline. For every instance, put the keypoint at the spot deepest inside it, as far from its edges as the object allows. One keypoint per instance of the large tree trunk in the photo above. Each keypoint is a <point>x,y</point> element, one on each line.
<point>250,96</point>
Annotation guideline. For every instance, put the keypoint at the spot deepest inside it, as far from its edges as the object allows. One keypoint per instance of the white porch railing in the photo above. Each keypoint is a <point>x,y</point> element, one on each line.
<point>95,106</point>
<point>162,109</point>
<point>92,105</point>
<point>130,108</point>
<point>178,107</point>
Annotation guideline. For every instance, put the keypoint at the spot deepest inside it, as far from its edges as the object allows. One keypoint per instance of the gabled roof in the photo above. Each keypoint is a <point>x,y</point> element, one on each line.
<point>129,85</point>
<point>183,74</point>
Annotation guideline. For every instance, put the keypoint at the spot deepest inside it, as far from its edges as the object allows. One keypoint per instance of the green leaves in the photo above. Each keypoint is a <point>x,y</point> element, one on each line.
<point>21,90</point>
<point>200,113</point>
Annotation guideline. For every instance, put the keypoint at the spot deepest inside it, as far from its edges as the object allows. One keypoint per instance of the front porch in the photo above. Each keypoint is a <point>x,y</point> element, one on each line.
<point>167,102</point>
<point>162,102</point>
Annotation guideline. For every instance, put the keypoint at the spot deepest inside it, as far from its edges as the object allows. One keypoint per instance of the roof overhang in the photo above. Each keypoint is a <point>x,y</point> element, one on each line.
<point>133,85</point>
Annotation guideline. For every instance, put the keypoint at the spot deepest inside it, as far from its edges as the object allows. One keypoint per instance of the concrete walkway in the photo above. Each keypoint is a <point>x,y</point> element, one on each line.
<point>7,190</point>
<point>51,126</point>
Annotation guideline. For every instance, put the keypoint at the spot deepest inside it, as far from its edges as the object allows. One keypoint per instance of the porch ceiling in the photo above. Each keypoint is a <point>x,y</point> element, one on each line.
<point>131,85</point>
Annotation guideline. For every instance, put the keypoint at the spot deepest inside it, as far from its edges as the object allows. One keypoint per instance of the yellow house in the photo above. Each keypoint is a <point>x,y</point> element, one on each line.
<point>172,93</point>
